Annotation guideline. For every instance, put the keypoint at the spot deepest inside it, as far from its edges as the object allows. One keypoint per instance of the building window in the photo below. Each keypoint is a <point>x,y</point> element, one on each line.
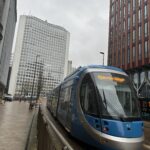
<point>120,14</point>
<point>124,12</point>
<point>112,21</point>
<point>128,39</point>
<point>142,77</point>
<point>128,55</point>
<point>134,36</point>
<point>112,9</point>
<point>146,49</point>
<point>116,18</point>
<point>134,19</point>
<point>140,15</point>
<point>120,3</point>
<point>146,29</point>
<point>134,4</point>
<point>140,51</point>
<point>145,11</point>
<point>128,23</point>
<point>135,78</point>
<point>124,1</point>
<point>129,7</point>
<point>124,25</point>
<point>123,42</point>
<point>134,54</point>
<point>139,2</point>
<point>140,32</point>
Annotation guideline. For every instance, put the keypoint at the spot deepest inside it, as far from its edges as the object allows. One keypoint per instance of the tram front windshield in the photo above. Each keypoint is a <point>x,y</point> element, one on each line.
<point>118,96</point>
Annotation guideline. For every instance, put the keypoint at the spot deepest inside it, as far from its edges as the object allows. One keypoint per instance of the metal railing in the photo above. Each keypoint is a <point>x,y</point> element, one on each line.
<point>49,138</point>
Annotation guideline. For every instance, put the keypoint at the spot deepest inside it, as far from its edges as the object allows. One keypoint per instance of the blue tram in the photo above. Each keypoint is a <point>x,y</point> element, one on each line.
<point>98,105</point>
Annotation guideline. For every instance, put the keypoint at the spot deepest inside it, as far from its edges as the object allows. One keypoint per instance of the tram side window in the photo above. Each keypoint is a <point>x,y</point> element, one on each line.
<point>65,96</point>
<point>56,94</point>
<point>88,97</point>
<point>62,95</point>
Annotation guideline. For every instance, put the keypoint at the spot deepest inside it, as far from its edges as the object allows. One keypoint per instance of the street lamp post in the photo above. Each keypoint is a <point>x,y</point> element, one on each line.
<point>103,57</point>
<point>34,77</point>
<point>40,80</point>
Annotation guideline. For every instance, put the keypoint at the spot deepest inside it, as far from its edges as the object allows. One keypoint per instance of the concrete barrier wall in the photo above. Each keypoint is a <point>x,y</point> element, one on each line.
<point>48,136</point>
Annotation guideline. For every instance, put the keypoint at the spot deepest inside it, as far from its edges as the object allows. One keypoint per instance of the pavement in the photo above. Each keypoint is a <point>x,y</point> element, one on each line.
<point>15,123</point>
<point>32,140</point>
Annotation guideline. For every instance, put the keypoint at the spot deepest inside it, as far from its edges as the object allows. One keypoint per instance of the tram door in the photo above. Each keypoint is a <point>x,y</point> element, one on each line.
<point>69,107</point>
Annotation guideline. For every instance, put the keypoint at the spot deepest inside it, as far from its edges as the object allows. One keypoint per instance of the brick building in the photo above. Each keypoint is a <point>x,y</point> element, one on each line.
<point>129,41</point>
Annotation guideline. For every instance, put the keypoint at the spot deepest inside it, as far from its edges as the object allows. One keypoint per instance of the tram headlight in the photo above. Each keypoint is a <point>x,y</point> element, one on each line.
<point>105,129</point>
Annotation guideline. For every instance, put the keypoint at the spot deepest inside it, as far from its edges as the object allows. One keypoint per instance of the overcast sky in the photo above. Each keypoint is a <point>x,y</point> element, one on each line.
<point>86,20</point>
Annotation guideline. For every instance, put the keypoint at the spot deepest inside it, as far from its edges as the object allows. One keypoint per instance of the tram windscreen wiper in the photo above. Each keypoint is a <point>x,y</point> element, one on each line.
<point>107,103</point>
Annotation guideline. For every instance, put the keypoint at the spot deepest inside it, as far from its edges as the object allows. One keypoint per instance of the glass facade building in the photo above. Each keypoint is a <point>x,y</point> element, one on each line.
<point>8,19</point>
<point>40,58</point>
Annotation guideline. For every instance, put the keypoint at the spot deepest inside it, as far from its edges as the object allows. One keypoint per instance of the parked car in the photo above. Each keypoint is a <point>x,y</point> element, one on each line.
<point>8,97</point>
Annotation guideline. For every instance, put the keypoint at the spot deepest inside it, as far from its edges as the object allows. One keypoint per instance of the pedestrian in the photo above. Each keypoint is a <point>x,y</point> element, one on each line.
<point>31,105</point>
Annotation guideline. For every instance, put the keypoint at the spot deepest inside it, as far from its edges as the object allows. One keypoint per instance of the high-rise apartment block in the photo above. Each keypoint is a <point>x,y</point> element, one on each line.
<point>129,41</point>
<point>40,58</point>
<point>8,18</point>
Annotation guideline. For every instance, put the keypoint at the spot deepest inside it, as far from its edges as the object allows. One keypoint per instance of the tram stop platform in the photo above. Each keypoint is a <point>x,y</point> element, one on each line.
<point>15,125</point>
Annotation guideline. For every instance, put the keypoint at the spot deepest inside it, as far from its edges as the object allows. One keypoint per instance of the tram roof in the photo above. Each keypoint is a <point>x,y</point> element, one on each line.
<point>81,69</point>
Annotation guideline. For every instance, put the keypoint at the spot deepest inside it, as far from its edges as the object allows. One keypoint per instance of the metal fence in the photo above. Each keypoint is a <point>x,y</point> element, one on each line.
<point>48,136</point>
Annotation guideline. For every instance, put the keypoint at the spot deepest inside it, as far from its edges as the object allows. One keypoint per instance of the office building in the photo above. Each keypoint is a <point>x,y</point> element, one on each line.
<point>40,58</point>
<point>8,18</point>
<point>70,68</point>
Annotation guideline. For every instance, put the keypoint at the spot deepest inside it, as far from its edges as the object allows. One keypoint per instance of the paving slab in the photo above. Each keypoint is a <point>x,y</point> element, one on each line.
<point>15,121</point>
